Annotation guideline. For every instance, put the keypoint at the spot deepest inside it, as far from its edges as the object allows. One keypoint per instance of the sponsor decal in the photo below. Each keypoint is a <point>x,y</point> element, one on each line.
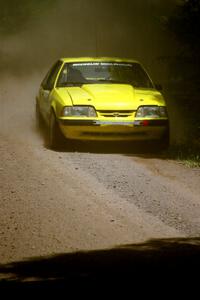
<point>101,64</point>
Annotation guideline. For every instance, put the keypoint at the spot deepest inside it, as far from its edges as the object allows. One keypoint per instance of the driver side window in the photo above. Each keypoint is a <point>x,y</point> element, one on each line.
<point>49,79</point>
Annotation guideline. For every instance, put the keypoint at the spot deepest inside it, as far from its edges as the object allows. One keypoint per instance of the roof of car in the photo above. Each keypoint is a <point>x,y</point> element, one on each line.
<point>97,59</point>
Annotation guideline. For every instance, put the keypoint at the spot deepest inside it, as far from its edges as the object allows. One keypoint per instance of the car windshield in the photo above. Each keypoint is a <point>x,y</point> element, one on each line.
<point>74,74</point>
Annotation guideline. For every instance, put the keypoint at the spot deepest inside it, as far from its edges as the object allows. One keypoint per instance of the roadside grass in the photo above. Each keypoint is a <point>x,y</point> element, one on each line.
<point>188,155</point>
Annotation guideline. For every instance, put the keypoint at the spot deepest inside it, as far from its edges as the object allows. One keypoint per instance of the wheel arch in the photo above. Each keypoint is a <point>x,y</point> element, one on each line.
<point>56,107</point>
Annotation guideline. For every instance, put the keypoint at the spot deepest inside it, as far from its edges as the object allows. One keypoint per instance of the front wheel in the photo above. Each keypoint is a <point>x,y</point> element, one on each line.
<point>163,144</point>
<point>165,141</point>
<point>38,117</point>
<point>56,138</point>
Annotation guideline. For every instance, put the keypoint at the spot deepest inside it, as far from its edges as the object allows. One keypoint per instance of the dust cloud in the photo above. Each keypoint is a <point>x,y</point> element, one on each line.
<point>34,36</point>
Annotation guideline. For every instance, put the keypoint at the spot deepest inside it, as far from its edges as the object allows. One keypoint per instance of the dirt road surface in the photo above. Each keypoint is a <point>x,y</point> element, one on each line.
<point>89,198</point>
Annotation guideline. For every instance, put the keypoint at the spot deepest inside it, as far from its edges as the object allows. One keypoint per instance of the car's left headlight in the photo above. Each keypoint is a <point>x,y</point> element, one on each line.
<point>79,111</point>
<point>151,112</point>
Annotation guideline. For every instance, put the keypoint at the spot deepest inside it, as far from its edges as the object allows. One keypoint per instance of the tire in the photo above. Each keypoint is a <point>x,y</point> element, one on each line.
<point>163,144</point>
<point>38,117</point>
<point>56,138</point>
<point>165,141</point>
<point>160,145</point>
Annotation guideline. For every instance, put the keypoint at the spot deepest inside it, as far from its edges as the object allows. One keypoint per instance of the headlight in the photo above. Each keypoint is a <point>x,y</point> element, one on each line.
<point>79,111</point>
<point>151,112</point>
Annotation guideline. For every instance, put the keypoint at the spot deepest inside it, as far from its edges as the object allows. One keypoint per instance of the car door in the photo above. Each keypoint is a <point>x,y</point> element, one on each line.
<point>46,88</point>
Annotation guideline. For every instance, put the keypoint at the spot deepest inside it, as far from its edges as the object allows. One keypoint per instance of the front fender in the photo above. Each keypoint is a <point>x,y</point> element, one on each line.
<point>54,107</point>
<point>58,102</point>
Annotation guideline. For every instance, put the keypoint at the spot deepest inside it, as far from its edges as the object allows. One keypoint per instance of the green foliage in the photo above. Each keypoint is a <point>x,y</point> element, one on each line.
<point>186,154</point>
<point>184,68</point>
<point>185,24</point>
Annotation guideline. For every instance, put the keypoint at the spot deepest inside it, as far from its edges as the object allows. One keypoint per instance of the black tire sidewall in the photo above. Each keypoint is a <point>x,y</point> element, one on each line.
<point>38,116</point>
<point>54,134</point>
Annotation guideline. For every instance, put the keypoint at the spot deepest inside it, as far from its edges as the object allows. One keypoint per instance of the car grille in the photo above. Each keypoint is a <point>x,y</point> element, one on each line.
<point>113,114</point>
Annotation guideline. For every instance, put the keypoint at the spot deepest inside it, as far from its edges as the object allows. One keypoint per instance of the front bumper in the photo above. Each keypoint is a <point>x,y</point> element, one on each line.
<point>113,130</point>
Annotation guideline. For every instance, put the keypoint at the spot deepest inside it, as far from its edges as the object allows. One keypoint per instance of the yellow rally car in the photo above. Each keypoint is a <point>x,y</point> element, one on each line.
<point>101,99</point>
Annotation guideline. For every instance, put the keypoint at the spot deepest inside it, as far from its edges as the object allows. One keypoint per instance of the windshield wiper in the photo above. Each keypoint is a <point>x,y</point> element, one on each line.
<point>68,84</point>
<point>111,81</point>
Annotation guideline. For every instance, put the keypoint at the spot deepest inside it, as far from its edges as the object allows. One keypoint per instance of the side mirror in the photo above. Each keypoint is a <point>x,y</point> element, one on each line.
<point>158,87</point>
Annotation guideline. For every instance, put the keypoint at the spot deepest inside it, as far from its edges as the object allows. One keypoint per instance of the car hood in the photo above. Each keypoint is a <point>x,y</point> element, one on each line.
<point>112,96</point>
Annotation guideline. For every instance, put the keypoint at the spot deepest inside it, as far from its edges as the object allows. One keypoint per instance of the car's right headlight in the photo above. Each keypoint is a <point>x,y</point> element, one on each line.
<point>151,111</point>
<point>79,111</point>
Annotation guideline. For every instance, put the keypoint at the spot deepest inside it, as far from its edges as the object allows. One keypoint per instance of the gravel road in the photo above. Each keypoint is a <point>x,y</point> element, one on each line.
<point>93,197</point>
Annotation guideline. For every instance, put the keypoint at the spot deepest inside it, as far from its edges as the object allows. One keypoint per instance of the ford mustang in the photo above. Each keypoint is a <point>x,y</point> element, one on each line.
<point>106,98</point>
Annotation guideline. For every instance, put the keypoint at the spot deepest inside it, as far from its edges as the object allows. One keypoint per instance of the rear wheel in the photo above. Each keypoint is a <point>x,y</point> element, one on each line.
<point>56,138</point>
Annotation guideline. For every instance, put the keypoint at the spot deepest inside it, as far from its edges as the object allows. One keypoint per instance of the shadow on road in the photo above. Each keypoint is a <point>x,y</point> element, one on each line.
<point>155,264</point>
<point>143,149</point>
